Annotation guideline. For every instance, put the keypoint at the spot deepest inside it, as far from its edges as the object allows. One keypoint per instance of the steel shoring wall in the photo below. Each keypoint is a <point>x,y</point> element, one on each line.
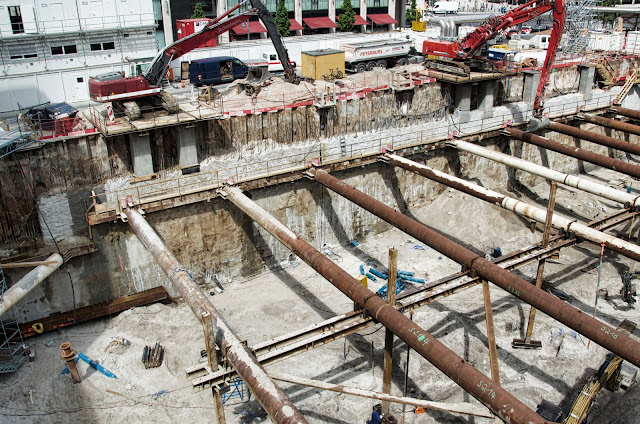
<point>604,140</point>
<point>610,123</point>
<point>591,328</point>
<point>501,402</point>
<point>270,396</point>
<point>582,231</point>
<point>605,162</point>
<point>548,173</point>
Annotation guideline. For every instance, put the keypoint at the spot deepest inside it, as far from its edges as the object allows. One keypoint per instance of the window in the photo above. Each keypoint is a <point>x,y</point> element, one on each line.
<point>23,51</point>
<point>97,45</point>
<point>68,49</point>
<point>15,16</point>
<point>80,79</point>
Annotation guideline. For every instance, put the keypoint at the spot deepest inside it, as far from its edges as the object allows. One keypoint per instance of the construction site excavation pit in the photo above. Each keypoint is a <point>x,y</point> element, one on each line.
<point>193,254</point>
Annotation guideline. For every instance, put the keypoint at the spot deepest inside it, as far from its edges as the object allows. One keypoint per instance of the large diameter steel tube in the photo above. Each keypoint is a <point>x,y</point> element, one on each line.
<point>582,231</point>
<point>584,324</point>
<point>270,396</point>
<point>611,123</point>
<point>631,113</point>
<point>29,282</point>
<point>501,402</point>
<point>605,162</point>
<point>604,140</point>
<point>548,173</point>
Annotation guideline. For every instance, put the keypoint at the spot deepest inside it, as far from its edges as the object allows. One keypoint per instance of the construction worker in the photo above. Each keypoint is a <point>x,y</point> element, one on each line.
<point>376,415</point>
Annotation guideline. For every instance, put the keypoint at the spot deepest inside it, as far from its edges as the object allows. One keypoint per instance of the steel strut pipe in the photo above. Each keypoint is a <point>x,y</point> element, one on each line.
<point>270,396</point>
<point>548,173</point>
<point>610,123</point>
<point>68,355</point>
<point>582,231</point>
<point>604,140</point>
<point>29,282</point>
<point>605,162</point>
<point>631,113</point>
<point>584,324</point>
<point>480,386</point>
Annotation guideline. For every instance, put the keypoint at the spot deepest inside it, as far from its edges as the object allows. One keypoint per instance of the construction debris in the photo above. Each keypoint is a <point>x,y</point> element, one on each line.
<point>152,356</point>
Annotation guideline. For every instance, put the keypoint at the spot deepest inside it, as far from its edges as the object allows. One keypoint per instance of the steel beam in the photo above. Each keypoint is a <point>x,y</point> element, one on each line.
<point>610,123</point>
<point>270,396</point>
<point>630,250</point>
<point>591,328</point>
<point>29,282</point>
<point>456,407</point>
<point>630,113</point>
<point>388,336</point>
<point>501,402</point>
<point>548,173</point>
<point>604,140</point>
<point>605,162</point>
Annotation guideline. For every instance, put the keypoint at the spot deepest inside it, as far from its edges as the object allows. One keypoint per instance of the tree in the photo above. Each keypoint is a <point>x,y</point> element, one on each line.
<point>412,13</point>
<point>197,11</point>
<point>282,19</point>
<point>347,18</point>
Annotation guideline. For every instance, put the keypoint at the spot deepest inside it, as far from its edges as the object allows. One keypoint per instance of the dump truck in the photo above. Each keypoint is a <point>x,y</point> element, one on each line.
<point>366,55</point>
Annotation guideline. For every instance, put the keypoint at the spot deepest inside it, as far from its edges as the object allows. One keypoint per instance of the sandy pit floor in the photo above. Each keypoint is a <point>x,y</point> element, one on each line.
<point>279,301</point>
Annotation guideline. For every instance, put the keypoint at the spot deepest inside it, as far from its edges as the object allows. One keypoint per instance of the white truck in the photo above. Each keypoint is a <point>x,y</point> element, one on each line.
<point>446,7</point>
<point>366,55</point>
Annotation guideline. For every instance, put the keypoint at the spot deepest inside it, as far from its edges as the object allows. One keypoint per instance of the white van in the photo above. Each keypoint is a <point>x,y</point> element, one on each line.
<point>445,7</point>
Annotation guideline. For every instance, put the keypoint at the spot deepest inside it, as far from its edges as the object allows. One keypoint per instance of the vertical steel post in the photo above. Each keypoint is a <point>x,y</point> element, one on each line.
<point>388,336</point>
<point>212,359</point>
<point>545,243</point>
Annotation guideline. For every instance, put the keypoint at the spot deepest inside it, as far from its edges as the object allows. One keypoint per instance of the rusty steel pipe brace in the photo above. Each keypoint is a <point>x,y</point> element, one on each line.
<point>605,162</point>
<point>604,140</point>
<point>480,386</point>
<point>630,113</point>
<point>584,324</point>
<point>270,396</point>
<point>610,123</point>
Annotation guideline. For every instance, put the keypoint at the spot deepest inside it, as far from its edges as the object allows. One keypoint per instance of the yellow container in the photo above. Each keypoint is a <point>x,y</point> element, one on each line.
<point>418,26</point>
<point>326,63</point>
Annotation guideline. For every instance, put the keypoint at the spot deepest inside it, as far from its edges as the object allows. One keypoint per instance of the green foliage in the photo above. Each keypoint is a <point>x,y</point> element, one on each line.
<point>412,14</point>
<point>282,19</point>
<point>197,11</point>
<point>347,18</point>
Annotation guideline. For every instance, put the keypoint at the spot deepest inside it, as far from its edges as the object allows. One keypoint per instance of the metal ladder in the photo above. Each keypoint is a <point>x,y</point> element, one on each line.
<point>12,348</point>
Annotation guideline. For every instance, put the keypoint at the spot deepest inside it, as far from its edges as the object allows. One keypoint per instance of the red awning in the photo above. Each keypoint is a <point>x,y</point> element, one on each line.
<point>254,27</point>
<point>382,18</point>
<point>295,26</point>
<point>321,22</point>
<point>359,20</point>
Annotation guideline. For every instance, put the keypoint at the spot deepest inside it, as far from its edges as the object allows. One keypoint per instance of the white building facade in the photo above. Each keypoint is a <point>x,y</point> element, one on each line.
<point>50,48</point>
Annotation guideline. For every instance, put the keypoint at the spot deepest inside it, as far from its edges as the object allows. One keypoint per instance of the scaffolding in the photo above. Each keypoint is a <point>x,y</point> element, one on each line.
<point>12,348</point>
<point>579,21</point>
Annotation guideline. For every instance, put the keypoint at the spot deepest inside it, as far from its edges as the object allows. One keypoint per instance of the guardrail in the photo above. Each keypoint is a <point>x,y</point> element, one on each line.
<point>320,154</point>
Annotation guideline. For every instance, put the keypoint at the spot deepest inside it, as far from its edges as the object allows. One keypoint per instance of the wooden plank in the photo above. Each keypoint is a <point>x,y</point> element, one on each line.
<point>12,265</point>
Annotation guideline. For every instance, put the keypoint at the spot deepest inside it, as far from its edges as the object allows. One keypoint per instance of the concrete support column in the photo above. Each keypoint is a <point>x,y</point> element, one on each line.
<point>221,7</point>
<point>187,148</point>
<point>391,10</point>
<point>167,25</point>
<point>463,102</point>
<point>531,80</point>
<point>332,13</point>
<point>141,154</point>
<point>297,13</point>
<point>587,73</point>
<point>486,90</point>
<point>363,13</point>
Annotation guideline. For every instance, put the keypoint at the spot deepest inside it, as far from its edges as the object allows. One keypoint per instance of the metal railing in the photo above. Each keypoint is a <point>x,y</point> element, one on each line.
<point>320,153</point>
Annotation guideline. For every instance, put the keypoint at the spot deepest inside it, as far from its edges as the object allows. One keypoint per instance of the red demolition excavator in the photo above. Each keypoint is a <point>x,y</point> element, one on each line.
<point>130,93</point>
<point>461,56</point>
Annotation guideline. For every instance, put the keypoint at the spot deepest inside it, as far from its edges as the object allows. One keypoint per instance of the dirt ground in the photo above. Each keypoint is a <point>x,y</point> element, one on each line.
<point>282,300</point>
